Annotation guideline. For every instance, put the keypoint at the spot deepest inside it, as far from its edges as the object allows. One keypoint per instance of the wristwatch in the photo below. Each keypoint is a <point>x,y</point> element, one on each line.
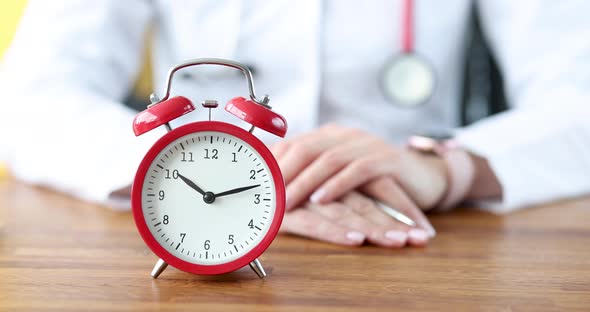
<point>459,164</point>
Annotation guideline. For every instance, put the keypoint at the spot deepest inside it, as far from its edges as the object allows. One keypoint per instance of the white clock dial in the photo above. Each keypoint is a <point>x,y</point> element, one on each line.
<point>185,222</point>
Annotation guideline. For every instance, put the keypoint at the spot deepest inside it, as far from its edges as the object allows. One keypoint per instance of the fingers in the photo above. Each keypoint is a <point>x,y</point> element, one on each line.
<point>279,149</point>
<point>387,191</point>
<point>299,152</point>
<point>366,207</point>
<point>310,224</point>
<point>382,234</point>
<point>355,219</point>
<point>295,154</point>
<point>354,175</point>
<point>391,229</point>
<point>323,167</point>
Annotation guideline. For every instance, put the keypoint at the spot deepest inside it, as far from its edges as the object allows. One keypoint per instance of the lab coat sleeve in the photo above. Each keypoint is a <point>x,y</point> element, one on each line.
<point>540,148</point>
<point>63,79</point>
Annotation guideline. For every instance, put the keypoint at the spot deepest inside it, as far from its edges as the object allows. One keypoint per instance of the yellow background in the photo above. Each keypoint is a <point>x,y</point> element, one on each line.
<point>10,12</point>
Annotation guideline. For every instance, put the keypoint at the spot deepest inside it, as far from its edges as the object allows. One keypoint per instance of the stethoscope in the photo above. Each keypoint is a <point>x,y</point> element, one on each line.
<point>407,79</point>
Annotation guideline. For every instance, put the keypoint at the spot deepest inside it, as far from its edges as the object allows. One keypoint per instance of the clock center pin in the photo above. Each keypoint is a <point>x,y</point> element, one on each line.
<point>209,197</point>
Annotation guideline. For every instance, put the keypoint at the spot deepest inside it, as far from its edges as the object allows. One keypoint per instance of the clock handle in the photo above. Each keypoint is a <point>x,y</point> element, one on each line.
<point>256,266</point>
<point>159,268</point>
<point>212,61</point>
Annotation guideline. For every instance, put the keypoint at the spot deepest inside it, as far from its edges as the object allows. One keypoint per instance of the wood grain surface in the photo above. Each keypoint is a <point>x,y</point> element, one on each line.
<point>59,254</point>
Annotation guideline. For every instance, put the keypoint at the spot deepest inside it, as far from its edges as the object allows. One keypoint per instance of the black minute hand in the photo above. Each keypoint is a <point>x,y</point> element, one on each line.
<point>191,184</point>
<point>237,190</point>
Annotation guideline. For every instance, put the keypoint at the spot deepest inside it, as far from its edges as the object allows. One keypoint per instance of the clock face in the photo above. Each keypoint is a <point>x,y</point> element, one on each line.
<point>209,197</point>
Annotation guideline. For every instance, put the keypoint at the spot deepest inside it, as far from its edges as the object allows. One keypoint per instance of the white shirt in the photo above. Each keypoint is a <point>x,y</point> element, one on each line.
<point>72,62</point>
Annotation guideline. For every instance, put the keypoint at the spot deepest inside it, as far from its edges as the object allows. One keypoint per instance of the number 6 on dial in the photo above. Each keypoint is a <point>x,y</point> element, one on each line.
<point>208,197</point>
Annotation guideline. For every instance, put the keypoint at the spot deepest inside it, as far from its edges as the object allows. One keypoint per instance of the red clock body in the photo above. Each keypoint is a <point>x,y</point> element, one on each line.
<point>208,198</point>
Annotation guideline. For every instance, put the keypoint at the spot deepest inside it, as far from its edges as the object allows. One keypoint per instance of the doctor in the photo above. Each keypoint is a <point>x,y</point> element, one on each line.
<point>323,62</point>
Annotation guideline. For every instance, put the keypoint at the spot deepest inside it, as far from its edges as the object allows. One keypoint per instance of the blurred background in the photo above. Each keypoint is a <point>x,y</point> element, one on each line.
<point>483,93</point>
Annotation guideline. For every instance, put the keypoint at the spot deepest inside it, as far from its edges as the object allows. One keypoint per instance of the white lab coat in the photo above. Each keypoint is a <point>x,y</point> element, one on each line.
<point>73,61</point>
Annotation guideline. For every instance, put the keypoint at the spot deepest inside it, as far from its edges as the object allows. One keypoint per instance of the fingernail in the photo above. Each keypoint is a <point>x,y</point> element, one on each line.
<point>431,231</point>
<point>397,236</point>
<point>317,196</point>
<point>355,236</point>
<point>418,234</point>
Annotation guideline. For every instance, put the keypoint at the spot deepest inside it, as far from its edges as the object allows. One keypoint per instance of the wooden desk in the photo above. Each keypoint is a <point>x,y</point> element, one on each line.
<point>59,254</point>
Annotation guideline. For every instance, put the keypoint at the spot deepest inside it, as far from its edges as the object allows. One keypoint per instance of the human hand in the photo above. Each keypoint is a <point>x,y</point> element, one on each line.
<point>352,220</point>
<point>334,160</point>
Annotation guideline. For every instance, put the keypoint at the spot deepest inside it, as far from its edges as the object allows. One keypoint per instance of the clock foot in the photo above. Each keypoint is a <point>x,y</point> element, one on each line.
<point>159,268</point>
<point>256,266</point>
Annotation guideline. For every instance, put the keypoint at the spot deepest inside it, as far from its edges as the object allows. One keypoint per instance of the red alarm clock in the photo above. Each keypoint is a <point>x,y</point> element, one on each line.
<point>208,197</point>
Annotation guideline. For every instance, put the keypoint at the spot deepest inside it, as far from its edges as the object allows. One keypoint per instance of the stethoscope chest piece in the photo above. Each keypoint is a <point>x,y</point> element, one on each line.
<point>408,80</point>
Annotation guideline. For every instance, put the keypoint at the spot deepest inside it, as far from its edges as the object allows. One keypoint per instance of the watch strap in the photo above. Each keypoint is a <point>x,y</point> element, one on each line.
<point>460,167</point>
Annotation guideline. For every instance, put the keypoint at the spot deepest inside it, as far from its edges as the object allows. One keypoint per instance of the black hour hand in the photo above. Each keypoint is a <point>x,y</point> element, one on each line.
<point>237,190</point>
<point>191,184</point>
